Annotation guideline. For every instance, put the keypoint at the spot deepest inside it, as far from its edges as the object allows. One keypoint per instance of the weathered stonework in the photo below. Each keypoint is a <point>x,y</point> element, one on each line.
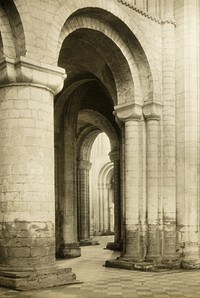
<point>137,58</point>
<point>27,241</point>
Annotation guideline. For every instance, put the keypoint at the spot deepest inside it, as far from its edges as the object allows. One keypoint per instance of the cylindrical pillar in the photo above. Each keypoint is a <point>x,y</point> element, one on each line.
<point>169,244</point>
<point>106,209</point>
<point>27,217</point>
<point>114,157</point>
<point>130,114</point>
<point>187,107</point>
<point>27,176</point>
<point>83,200</point>
<point>152,115</point>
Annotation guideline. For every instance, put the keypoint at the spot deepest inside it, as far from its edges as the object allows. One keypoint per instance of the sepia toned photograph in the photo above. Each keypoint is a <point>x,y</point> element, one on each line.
<point>100,148</point>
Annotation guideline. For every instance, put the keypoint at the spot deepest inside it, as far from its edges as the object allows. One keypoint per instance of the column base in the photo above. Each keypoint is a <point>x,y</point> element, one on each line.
<point>125,263</point>
<point>114,246</point>
<point>130,264</point>
<point>69,250</point>
<point>172,262</point>
<point>190,264</point>
<point>107,233</point>
<point>88,242</point>
<point>153,258</point>
<point>42,277</point>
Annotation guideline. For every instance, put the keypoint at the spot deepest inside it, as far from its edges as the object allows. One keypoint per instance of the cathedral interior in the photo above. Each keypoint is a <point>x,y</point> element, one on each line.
<point>99,143</point>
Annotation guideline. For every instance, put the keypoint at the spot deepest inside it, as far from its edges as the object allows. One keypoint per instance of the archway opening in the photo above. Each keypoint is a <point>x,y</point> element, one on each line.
<point>101,188</point>
<point>100,76</point>
<point>88,112</point>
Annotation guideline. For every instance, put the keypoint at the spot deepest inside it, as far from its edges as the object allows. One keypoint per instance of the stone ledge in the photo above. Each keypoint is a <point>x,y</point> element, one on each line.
<point>38,278</point>
<point>124,263</point>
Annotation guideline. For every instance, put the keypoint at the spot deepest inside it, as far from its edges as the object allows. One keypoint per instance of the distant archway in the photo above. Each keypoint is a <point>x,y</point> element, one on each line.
<point>102,72</point>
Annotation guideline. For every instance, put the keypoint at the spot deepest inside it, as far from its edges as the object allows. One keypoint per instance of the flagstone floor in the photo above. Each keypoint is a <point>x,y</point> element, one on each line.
<point>101,282</point>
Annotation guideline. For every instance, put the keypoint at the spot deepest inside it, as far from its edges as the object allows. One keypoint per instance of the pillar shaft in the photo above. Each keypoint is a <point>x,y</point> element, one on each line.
<point>83,200</point>
<point>69,247</point>
<point>114,157</point>
<point>27,181</point>
<point>188,131</point>
<point>117,202</point>
<point>131,114</point>
<point>169,244</point>
<point>106,209</point>
<point>27,217</point>
<point>132,188</point>
<point>152,114</point>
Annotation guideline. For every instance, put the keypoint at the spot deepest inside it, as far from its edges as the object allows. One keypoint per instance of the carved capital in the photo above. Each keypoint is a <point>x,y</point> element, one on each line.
<point>127,112</point>
<point>26,71</point>
<point>152,111</point>
<point>84,165</point>
<point>114,155</point>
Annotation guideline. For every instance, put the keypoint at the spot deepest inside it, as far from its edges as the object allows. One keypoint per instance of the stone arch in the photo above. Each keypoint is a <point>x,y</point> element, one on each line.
<point>128,65</point>
<point>114,52</point>
<point>60,101</point>
<point>12,32</point>
<point>106,173</point>
<point>85,142</point>
<point>76,12</point>
<point>100,122</point>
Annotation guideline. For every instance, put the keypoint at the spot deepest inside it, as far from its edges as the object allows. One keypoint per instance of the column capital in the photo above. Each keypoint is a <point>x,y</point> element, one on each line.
<point>114,155</point>
<point>84,164</point>
<point>152,111</point>
<point>128,111</point>
<point>23,70</point>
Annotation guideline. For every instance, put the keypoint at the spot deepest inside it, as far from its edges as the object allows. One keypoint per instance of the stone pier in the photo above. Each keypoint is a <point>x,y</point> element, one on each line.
<point>27,217</point>
<point>84,167</point>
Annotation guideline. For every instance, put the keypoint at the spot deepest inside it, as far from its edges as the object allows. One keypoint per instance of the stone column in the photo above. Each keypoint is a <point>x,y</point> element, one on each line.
<point>27,194</point>
<point>152,113</point>
<point>169,244</point>
<point>84,167</point>
<point>114,157</point>
<point>56,165</point>
<point>69,246</point>
<point>187,107</point>
<point>100,203</point>
<point>106,188</point>
<point>130,114</point>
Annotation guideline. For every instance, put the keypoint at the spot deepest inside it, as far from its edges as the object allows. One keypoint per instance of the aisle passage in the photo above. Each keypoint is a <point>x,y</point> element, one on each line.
<point>100,282</point>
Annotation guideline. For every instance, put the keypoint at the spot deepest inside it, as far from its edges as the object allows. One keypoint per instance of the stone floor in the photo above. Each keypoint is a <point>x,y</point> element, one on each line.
<point>100,282</point>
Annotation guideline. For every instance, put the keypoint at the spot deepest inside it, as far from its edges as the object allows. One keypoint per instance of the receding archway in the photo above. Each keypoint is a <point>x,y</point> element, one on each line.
<point>100,76</point>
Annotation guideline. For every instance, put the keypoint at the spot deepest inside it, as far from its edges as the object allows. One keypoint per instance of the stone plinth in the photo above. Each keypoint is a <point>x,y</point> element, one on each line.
<point>88,242</point>
<point>129,264</point>
<point>69,250</point>
<point>114,246</point>
<point>36,278</point>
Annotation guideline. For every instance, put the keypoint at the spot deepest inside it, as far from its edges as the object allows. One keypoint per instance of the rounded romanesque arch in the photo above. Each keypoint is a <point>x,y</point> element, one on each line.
<point>90,125</point>
<point>103,71</point>
<point>109,20</point>
<point>97,121</point>
<point>106,198</point>
<point>13,42</point>
<point>128,65</point>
